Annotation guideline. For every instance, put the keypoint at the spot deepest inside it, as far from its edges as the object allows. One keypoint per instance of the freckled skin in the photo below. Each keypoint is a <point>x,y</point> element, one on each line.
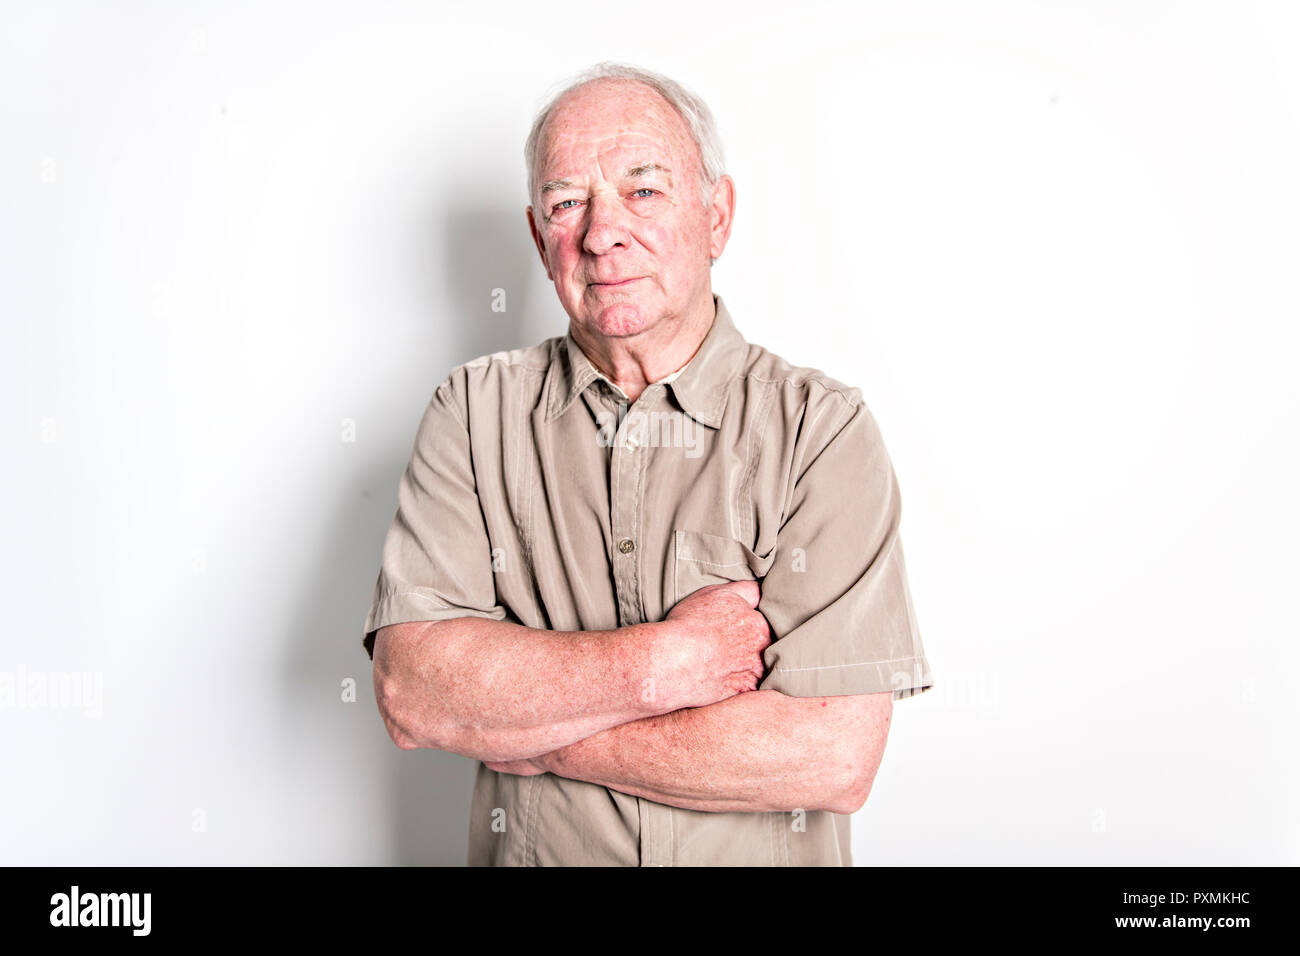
<point>528,701</point>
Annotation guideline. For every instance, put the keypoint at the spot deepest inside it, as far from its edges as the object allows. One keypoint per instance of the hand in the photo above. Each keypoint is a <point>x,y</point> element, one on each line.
<point>715,644</point>
<point>529,767</point>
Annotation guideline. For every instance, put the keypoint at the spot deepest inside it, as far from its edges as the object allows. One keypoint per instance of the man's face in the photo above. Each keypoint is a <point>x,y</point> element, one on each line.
<point>617,215</point>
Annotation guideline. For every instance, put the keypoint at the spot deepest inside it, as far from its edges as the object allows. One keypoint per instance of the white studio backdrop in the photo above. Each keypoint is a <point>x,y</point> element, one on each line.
<point>1055,245</point>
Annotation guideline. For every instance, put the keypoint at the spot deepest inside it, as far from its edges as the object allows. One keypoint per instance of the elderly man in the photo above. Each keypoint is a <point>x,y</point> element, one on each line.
<point>665,646</point>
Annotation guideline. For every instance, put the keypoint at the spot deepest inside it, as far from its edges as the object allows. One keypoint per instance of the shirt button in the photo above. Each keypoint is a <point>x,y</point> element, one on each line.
<point>626,545</point>
<point>632,442</point>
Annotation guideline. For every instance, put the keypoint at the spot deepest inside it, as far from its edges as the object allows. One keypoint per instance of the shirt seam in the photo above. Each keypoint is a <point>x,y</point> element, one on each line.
<point>503,357</point>
<point>641,461</point>
<point>451,403</point>
<point>828,667</point>
<point>672,838</point>
<point>746,485</point>
<point>713,564</point>
<point>530,824</point>
<point>524,472</point>
<point>843,393</point>
<point>821,413</point>
<point>387,592</point>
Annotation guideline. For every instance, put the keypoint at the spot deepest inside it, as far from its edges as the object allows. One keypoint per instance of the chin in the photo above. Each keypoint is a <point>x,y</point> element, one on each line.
<point>621,318</point>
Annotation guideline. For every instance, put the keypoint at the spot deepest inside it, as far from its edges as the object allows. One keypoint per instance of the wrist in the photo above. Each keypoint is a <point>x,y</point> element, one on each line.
<point>558,761</point>
<point>656,677</point>
<point>547,762</point>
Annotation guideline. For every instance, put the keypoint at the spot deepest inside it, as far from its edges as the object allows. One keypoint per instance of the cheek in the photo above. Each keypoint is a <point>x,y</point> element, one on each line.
<point>677,244</point>
<point>663,236</point>
<point>564,253</point>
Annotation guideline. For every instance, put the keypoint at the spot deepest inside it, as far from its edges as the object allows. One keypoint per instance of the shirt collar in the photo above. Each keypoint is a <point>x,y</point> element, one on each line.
<point>700,386</point>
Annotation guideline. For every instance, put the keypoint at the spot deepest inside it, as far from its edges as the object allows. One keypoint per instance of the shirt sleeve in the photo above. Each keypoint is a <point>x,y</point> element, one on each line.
<point>837,596</point>
<point>437,560</point>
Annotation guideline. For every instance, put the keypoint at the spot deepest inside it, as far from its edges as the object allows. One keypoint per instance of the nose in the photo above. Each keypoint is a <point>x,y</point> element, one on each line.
<point>606,229</point>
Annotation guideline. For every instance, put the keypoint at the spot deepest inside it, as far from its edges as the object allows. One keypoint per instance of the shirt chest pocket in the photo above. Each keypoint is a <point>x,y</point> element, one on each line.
<point>701,558</point>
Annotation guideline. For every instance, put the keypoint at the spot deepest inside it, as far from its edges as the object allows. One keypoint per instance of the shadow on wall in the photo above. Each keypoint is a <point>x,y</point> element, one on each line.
<point>484,249</point>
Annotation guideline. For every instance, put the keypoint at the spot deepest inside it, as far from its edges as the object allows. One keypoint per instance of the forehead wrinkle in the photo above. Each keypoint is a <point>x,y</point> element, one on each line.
<point>632,172</point>
<point>643,115</point>
<point>575,139</point>
<point>654,155</point>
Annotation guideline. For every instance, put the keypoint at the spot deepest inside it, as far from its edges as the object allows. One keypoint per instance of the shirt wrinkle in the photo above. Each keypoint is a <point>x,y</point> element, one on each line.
<point>520,503</point>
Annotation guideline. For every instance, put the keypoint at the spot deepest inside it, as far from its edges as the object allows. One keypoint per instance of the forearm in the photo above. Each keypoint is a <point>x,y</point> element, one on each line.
<point>495,690</point>
<point>760,751</point>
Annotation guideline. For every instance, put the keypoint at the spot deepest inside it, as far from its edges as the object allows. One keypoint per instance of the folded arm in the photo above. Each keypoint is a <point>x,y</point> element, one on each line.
<point>497,690</point>
<point>761,751</point>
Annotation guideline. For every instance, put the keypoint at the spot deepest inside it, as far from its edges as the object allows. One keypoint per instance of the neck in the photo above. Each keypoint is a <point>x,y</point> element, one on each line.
<point>632,362</point>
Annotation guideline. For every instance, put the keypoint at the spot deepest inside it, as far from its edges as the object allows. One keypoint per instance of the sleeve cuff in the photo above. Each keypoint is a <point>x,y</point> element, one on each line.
<point>404,607</point>
<point>906,677</point>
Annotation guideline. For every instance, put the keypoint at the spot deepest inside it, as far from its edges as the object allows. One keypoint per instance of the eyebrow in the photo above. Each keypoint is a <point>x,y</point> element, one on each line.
<point>632,172</point>
<point>643,168</point>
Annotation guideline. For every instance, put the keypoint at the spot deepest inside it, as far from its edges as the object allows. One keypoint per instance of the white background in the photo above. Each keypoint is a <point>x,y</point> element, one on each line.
<point>1056,246</point>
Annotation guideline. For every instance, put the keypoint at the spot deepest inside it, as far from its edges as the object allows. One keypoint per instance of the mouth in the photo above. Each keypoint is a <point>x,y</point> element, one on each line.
<point>615,285</point>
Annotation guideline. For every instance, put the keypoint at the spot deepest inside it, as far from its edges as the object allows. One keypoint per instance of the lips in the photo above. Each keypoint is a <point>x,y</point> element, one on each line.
<point>617,282</point>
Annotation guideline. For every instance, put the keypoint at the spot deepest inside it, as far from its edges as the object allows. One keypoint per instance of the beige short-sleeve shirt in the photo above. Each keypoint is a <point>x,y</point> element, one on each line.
<point>535,493</point>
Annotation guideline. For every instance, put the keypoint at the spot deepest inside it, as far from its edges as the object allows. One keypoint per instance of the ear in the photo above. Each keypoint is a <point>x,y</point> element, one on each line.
<point>722,211</point>
<point>537,241</point>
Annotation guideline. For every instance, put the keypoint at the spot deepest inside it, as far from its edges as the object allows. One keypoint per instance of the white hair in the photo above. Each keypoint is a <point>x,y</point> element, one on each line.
<point>693,110</point>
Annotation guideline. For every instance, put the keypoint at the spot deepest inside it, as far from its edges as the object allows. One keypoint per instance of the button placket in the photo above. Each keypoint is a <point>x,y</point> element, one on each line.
<point>627,470</point>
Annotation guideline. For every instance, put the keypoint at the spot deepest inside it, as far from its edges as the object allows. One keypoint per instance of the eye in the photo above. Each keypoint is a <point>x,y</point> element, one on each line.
<point>561,204</point>
<point>644,189</point>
